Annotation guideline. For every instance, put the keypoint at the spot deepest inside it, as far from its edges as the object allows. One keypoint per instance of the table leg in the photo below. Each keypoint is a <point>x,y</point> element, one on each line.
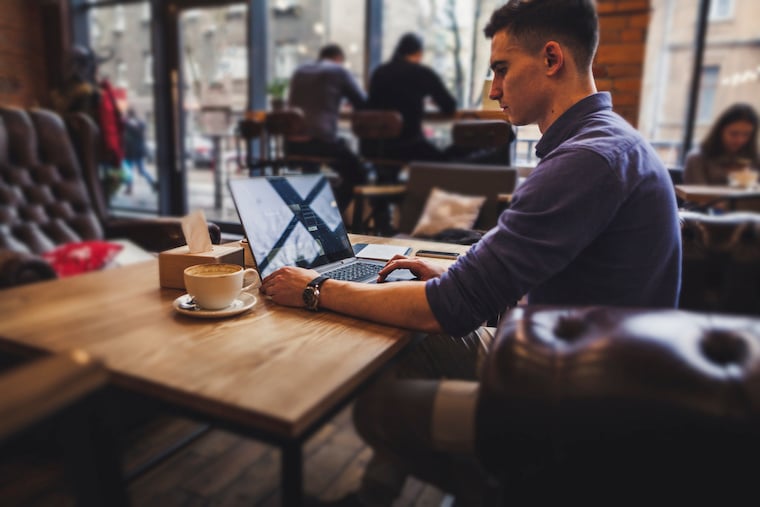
<point>292,475</point>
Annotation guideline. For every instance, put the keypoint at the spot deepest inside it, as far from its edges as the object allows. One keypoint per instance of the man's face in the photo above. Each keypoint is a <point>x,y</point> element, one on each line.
<point>517,82</point>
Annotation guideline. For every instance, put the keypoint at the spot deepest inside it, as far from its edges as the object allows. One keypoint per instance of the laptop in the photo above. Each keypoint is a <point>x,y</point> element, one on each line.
<point>293,220</point>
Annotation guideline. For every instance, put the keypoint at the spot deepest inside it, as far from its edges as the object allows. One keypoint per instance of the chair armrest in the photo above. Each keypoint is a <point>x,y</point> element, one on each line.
<point>33,392</point>
<point>154,235</point>
<point>18,268</point>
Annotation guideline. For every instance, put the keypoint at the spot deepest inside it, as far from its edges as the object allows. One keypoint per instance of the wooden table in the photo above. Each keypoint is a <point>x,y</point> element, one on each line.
<point>702,195</point>
<point>273,373</point>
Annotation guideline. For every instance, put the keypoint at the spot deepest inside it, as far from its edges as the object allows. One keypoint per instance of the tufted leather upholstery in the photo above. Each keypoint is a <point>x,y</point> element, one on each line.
<point>721,262</point>
<point>615,406</point>
<point>50,194</point>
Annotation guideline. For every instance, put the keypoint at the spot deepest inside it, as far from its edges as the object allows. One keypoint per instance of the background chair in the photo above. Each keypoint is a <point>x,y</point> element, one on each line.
<point>248,132</point>
<point>721,262</point>
<point>375,130</point>
<point>57,431</point>
<point>51,194</point>
<point>279,126</point>
<point>473,180</point>
<point>482,141</point>
<point>611,406</point>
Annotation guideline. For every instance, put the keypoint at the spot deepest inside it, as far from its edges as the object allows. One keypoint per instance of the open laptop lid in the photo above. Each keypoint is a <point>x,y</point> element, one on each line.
<point>290,221</point>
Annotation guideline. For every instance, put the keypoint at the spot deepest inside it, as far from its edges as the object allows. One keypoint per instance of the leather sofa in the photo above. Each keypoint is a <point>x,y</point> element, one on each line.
<point>51,194</point>
<point>721,262</point>
<point>620,406</point>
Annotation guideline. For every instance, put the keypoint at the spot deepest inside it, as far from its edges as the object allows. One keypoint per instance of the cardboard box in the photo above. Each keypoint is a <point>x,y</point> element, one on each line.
<point>172,263</point>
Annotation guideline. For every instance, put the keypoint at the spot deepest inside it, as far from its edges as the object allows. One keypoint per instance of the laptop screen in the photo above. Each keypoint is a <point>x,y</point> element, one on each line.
<point>290,221</point>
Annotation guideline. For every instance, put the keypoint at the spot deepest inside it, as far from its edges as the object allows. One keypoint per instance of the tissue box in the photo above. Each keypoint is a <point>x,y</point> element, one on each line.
<point>172,263</point>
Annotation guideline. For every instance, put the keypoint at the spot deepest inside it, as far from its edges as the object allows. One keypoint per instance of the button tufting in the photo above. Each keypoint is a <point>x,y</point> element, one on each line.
<point>724,347</point>
<point>569,328</point>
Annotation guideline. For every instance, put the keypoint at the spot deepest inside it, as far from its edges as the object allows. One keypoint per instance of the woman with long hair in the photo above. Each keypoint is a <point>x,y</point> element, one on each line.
<point>730,145</point>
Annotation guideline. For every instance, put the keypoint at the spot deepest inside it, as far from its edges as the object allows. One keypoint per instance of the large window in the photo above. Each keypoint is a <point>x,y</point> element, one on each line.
<point>120,37</point>
<point>730,70</point>
<point>215,65</point>
<point>298,29</point>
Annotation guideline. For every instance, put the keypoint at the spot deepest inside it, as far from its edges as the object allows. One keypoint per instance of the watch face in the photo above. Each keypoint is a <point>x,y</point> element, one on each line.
<point>310,297</point>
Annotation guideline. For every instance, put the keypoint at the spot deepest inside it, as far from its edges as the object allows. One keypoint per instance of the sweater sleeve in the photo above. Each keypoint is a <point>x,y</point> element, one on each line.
<point>542,231</point>
<point>353,92</point>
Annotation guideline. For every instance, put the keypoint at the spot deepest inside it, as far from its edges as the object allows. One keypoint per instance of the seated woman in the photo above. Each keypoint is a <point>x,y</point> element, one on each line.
<point>730,145</point>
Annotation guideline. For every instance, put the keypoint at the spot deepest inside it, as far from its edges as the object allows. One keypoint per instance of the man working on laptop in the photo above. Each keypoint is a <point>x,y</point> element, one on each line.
<point>595,223</point>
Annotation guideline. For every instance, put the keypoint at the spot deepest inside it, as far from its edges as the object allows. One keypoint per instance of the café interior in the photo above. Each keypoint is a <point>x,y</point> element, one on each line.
<point>114,390</point>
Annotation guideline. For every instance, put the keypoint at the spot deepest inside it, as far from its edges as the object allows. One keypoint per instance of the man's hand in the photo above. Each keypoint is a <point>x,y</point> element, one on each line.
<point>421,269</point>
<point>286,285</point>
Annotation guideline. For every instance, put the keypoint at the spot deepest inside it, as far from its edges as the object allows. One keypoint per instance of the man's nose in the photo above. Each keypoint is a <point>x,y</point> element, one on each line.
<point>495,91</point>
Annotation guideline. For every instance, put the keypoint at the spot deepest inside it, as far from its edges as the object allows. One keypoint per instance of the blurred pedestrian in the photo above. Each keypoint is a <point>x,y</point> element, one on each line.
<point>134,150</point>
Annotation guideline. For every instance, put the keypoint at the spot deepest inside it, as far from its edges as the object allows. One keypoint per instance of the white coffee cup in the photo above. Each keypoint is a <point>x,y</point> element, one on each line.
<point>216,286</point>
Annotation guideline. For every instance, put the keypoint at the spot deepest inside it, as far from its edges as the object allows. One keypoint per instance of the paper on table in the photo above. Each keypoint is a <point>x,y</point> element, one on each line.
<point>382,252</point>
<point>195,229</point>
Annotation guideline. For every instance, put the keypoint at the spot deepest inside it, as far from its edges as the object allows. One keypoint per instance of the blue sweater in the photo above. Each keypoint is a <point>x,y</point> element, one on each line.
<point>595,223</point>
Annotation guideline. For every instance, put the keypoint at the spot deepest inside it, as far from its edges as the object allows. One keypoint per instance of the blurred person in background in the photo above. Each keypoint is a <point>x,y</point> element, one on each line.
<point>134,150</point>
<point>403,84</point>
<point>318,89</point>
<point>730,145</point>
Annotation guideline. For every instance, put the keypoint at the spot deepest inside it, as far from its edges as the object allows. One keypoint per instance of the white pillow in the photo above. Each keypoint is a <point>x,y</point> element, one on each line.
<point>444,210</point>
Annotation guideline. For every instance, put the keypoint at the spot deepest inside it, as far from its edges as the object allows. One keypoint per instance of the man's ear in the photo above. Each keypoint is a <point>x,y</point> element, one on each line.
<point>554,57</point>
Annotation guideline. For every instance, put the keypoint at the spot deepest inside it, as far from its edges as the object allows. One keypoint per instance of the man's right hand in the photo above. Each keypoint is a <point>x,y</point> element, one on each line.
<point>421,269</point>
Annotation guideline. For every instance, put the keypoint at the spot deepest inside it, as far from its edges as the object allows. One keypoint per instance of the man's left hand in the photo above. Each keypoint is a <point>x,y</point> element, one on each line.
<point>286,285</point>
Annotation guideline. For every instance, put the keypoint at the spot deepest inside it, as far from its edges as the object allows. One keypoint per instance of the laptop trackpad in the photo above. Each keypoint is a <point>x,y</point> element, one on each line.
<point>399,275</point>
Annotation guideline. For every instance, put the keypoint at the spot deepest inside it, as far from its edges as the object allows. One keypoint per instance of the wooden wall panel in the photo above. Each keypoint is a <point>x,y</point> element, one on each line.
<point>23,72</point>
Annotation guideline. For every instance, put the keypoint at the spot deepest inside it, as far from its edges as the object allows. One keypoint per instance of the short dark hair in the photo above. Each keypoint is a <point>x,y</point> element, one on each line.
<point>331,52</point>
<point>533,22</point>
<point>712,145</point>
<point>408,44</point>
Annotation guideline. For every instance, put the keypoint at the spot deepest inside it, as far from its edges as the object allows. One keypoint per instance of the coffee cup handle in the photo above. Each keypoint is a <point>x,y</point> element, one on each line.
<point>256,282</point>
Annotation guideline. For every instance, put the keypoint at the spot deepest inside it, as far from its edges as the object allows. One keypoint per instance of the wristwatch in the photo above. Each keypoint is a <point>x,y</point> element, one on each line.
<point>311,293</point>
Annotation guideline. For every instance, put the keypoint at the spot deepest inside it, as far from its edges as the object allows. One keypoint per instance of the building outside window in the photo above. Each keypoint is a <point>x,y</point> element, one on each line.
<point>730,72</point>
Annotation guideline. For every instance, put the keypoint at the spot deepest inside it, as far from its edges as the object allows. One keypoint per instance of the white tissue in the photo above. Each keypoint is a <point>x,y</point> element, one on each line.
<point>195,229</point>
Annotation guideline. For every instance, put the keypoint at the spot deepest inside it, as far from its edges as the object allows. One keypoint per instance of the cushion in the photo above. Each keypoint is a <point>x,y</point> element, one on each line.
<point>444,210</point>
<point>81,257</point>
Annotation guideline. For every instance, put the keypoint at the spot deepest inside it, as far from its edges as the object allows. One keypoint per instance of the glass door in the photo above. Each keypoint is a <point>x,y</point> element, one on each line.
<point>214,65</point>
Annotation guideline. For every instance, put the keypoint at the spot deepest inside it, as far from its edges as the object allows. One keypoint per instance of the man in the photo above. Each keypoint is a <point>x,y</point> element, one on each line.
<point>318,89</point>
<point>595,223</point>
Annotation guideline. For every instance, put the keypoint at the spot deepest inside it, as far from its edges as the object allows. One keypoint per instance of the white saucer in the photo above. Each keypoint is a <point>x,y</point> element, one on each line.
<point>243,303</point>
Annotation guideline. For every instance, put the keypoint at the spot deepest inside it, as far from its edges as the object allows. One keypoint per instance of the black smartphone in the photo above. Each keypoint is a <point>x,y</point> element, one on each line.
<point>437,254</point>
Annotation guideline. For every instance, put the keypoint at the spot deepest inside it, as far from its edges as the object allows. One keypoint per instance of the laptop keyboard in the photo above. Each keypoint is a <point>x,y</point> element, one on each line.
<point>355,271</point>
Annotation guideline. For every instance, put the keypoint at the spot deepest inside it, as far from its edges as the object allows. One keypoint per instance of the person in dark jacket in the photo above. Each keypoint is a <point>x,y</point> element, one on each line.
<point>403,84</point>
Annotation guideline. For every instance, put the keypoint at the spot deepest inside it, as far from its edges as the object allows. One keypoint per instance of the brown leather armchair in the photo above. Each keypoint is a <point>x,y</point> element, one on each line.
<point>621,406</point>
<point>721,262</point>
<point>50,194</point>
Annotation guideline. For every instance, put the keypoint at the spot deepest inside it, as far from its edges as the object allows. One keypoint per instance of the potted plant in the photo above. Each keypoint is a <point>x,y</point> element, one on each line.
<point>276,90</point>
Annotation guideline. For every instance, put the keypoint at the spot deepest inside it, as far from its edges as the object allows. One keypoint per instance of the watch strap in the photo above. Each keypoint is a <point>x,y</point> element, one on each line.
<point>318,281</point>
